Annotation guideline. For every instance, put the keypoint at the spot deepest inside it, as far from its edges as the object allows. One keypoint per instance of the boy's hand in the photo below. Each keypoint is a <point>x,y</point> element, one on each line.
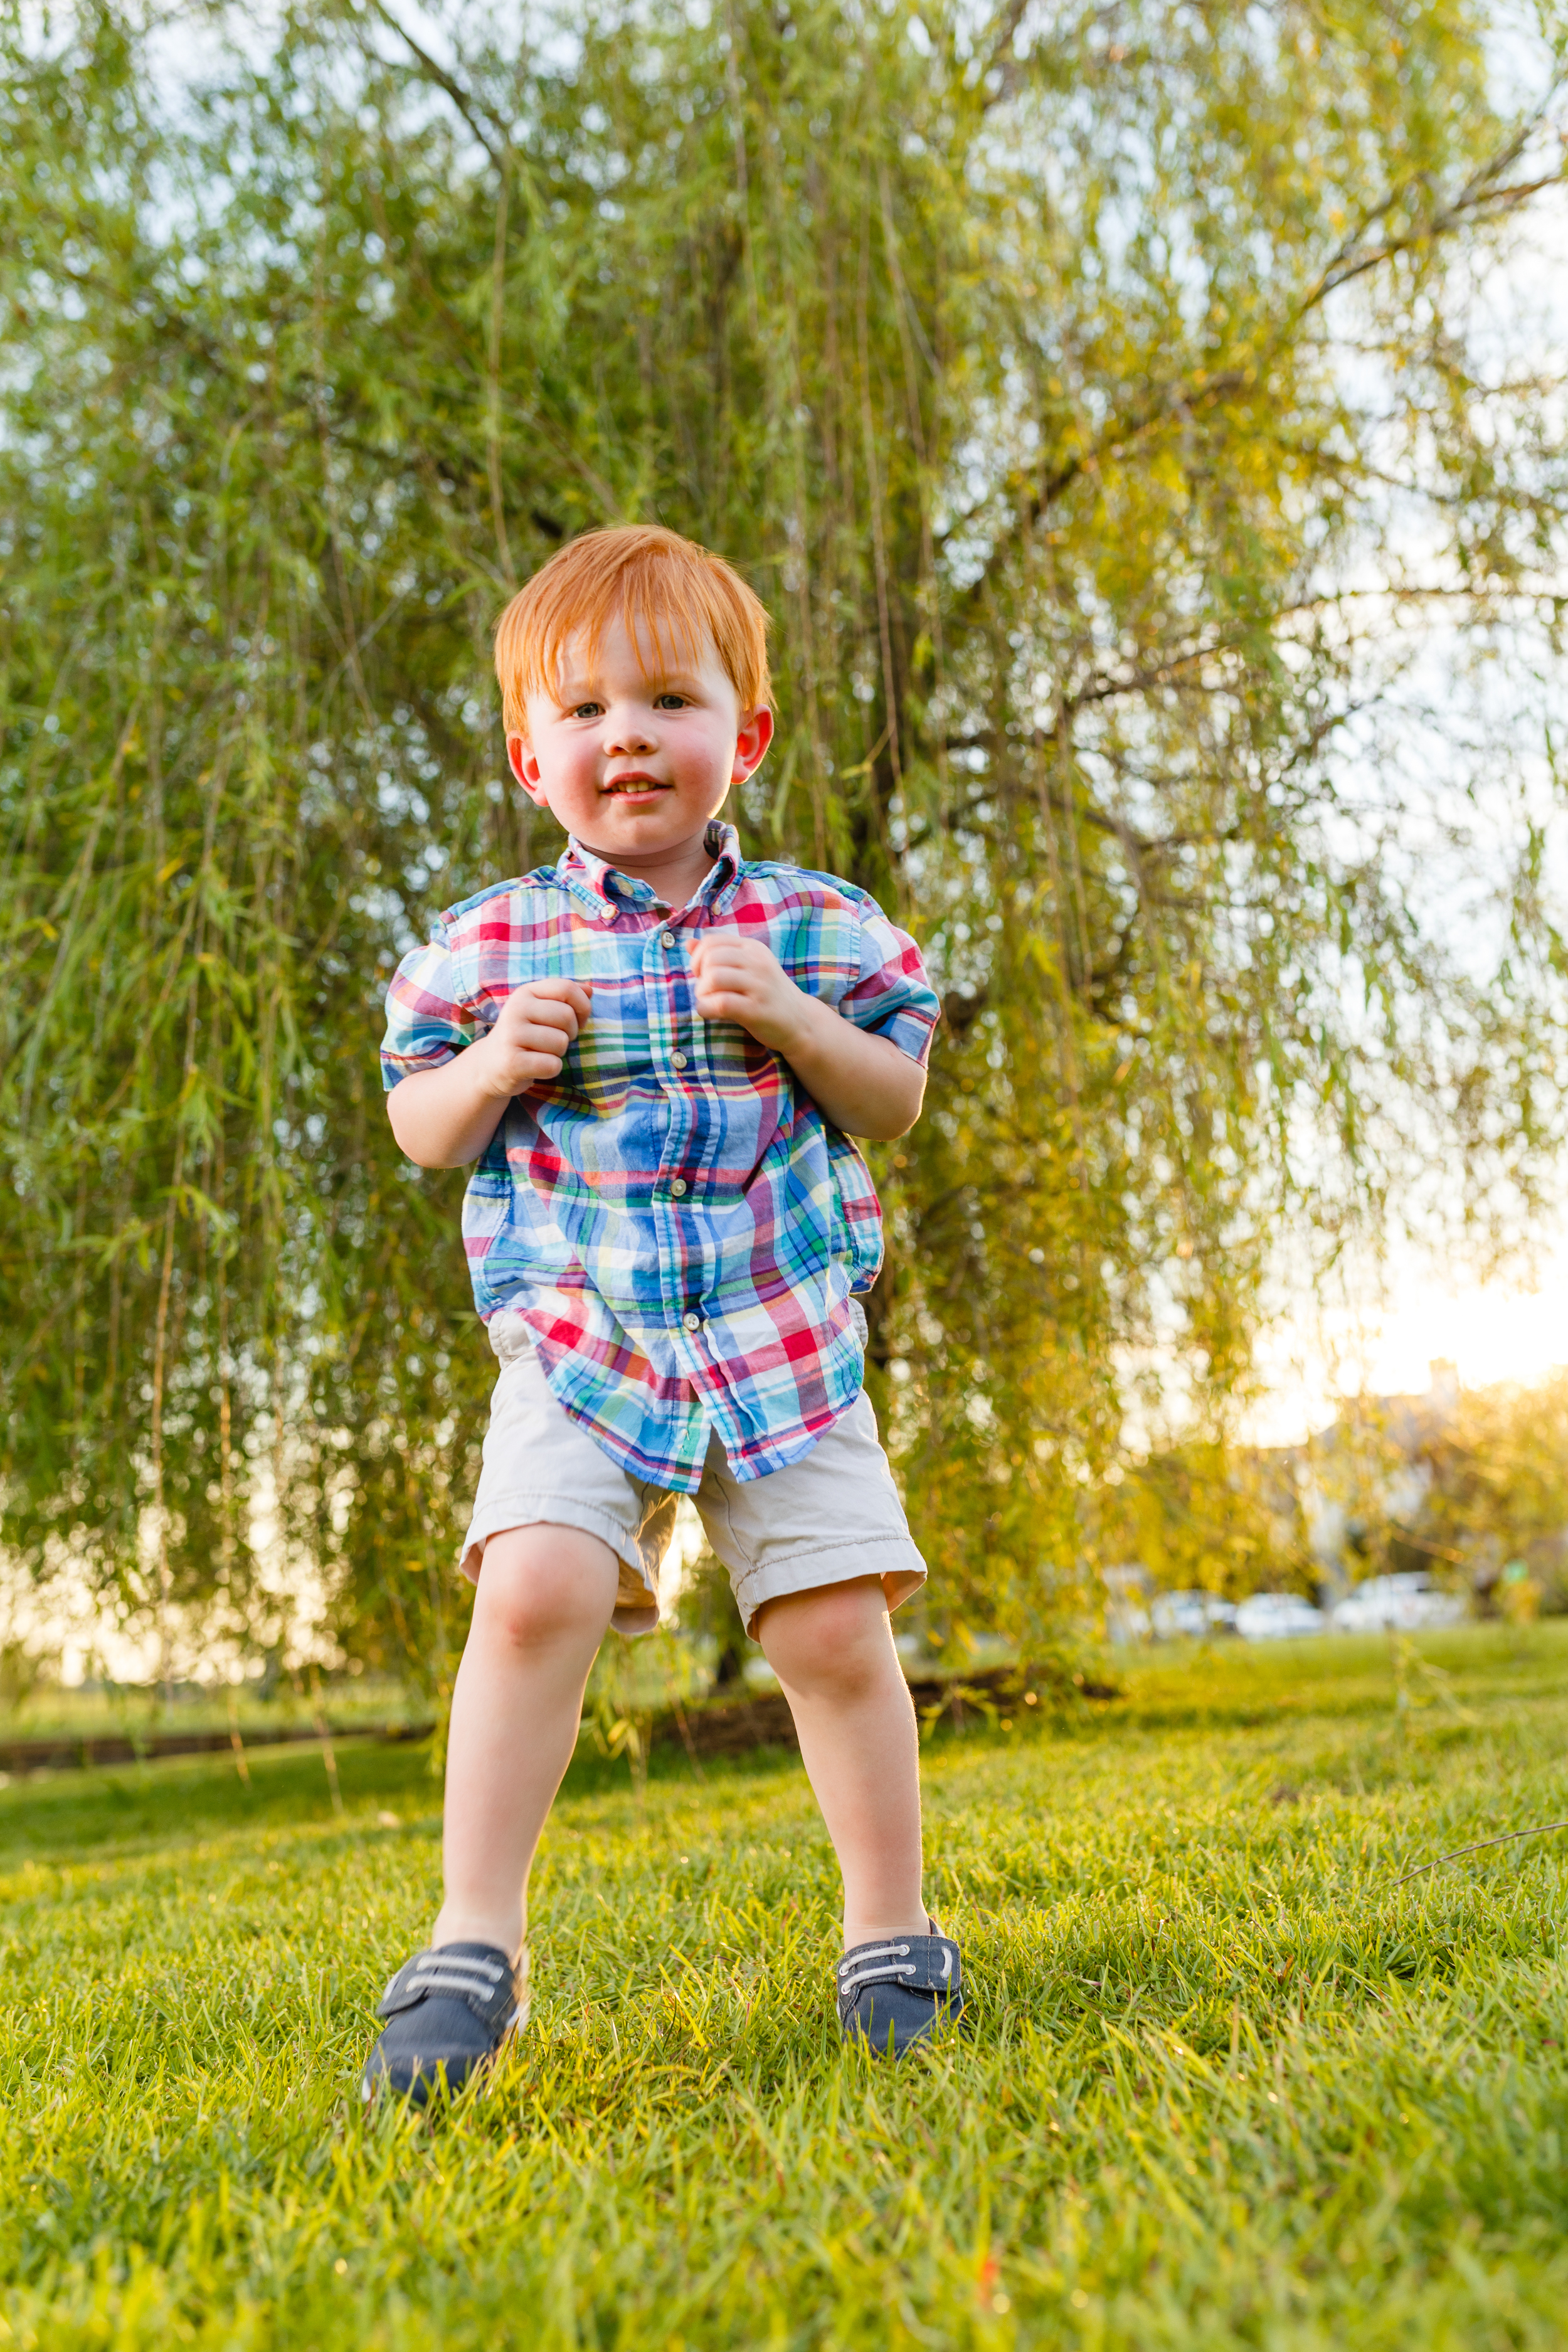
<point>532,1031</point>
<point>444,1118</point>
<point>741,980</point>
<point>861,1083</point>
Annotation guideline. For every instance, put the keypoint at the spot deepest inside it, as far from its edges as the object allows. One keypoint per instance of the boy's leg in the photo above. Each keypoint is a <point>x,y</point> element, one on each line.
<point>832,1650</point>
<point>543,1603</point>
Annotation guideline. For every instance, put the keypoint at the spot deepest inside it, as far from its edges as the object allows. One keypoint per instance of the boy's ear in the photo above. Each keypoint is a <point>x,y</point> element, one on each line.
<point>524,766</point>
<point>751,742</point>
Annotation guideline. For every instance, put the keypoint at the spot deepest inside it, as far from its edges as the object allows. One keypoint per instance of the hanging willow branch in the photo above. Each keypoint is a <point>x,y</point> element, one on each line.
<point>1010,364</point>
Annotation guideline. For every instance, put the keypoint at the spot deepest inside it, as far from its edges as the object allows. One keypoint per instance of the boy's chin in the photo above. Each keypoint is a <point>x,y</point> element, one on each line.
<point>653,824</point>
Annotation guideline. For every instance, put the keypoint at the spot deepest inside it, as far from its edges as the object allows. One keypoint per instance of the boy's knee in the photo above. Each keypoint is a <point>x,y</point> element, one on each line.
<point>834,1639</point>
<point>542,1585</point>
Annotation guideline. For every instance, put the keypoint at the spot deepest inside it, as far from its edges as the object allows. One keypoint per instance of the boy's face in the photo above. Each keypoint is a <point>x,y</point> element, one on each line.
<point>634,757</point>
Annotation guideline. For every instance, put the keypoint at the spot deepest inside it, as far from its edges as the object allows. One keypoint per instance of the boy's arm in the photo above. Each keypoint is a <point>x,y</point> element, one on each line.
<point>445,1118</point>
<point>863,1084</point>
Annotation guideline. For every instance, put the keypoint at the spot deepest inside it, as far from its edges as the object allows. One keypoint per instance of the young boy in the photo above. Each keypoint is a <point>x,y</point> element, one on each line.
<point>655,1051</point>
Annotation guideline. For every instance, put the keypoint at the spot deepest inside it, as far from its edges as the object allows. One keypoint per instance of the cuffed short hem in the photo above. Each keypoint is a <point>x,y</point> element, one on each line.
<point>503,1512</point>
<point>829,1516</point>
<point>893,1559</point>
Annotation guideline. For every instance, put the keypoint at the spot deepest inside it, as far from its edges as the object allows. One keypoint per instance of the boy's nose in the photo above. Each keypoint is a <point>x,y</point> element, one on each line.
<point>627,732</point>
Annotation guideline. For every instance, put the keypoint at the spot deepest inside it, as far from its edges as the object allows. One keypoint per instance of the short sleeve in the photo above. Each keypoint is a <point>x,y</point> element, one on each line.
<point>429,1017</point>
<point>892,997</point>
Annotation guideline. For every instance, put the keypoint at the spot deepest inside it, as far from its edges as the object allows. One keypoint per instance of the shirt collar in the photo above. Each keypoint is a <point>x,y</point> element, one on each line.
<point>604,887</point>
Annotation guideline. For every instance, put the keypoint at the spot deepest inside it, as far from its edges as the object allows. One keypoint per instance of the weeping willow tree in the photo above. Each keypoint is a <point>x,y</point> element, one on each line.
<point>1120,412</point>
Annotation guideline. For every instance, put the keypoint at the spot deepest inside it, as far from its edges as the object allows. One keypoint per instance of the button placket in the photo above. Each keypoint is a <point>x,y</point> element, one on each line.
<point>665,977</point>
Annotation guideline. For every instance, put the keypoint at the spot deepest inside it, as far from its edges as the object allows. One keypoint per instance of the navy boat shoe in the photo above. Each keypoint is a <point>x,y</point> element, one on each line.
<point>906,1989</point>
<point>447,2013</point>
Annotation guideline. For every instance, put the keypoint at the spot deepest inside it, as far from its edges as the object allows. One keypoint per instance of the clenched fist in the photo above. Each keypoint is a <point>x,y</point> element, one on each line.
<point>532,1031</point>
<point>739,978</point>
<point>863,1084</point>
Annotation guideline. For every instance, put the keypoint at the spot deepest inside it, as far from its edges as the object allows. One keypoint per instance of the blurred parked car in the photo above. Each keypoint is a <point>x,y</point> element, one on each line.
<point>1176,1616</point>
<point>1405,1603</point>
<point>1277,1617</point>
<point>1126,1621</point>
<point>1126,1602</point>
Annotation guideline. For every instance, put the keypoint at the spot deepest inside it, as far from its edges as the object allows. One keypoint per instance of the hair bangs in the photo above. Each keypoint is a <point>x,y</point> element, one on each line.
<point>673,597</point>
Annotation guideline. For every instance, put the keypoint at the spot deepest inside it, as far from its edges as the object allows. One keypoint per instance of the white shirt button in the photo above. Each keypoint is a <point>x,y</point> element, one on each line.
<point>667,938</point>
<point>679,1187</point>
<point>677,1061</point>
<point>692,1322</point>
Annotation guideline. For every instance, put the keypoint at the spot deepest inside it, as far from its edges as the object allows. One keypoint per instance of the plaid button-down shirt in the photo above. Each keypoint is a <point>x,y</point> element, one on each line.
<point>672,1217</point>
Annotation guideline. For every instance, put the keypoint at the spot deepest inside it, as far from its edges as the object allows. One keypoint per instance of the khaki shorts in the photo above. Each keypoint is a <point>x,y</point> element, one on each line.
<point>833,1515</point>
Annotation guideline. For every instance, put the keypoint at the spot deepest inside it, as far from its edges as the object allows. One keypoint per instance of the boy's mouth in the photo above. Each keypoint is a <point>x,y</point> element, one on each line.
<point>635,786</point>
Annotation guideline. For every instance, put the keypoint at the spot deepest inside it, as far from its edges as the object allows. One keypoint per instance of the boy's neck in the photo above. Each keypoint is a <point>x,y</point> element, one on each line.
<point>674,874</point>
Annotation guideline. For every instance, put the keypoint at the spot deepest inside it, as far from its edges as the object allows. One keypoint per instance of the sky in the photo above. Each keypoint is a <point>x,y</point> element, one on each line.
<point>1413,1311</point>
<point>1512,1328</point>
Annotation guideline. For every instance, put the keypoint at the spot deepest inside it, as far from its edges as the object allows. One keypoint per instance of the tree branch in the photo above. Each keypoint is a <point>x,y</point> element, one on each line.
<point>465,105</point>
<point>1189,399</point>
<point>1352,260</point>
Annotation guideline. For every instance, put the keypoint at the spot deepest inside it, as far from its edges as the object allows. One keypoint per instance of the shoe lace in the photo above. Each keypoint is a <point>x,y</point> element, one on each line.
<point>442,1972</point>
<point>861,1968</point>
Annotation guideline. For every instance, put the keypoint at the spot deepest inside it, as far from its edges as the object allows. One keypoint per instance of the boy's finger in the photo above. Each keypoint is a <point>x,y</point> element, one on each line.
<point>545,1037</point>
<point>572,998</point>
<point>547,1025</point>
<point>574,992</point>
<point>550,1012</point>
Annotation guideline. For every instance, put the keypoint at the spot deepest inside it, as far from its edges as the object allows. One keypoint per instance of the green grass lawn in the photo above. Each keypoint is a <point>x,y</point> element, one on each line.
<point>1227,2084</point>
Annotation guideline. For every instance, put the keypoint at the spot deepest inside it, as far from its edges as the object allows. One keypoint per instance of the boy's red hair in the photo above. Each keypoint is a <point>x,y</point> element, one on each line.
<point>671,594</point>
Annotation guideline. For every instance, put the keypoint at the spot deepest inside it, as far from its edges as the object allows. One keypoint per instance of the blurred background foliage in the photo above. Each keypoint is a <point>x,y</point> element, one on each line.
<point>1111,405</point>
<point>1499,1494</point>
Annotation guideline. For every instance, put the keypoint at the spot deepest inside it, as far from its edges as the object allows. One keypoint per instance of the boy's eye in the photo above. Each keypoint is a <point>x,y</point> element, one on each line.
<point>670,701</point>
<point>586,710</point>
